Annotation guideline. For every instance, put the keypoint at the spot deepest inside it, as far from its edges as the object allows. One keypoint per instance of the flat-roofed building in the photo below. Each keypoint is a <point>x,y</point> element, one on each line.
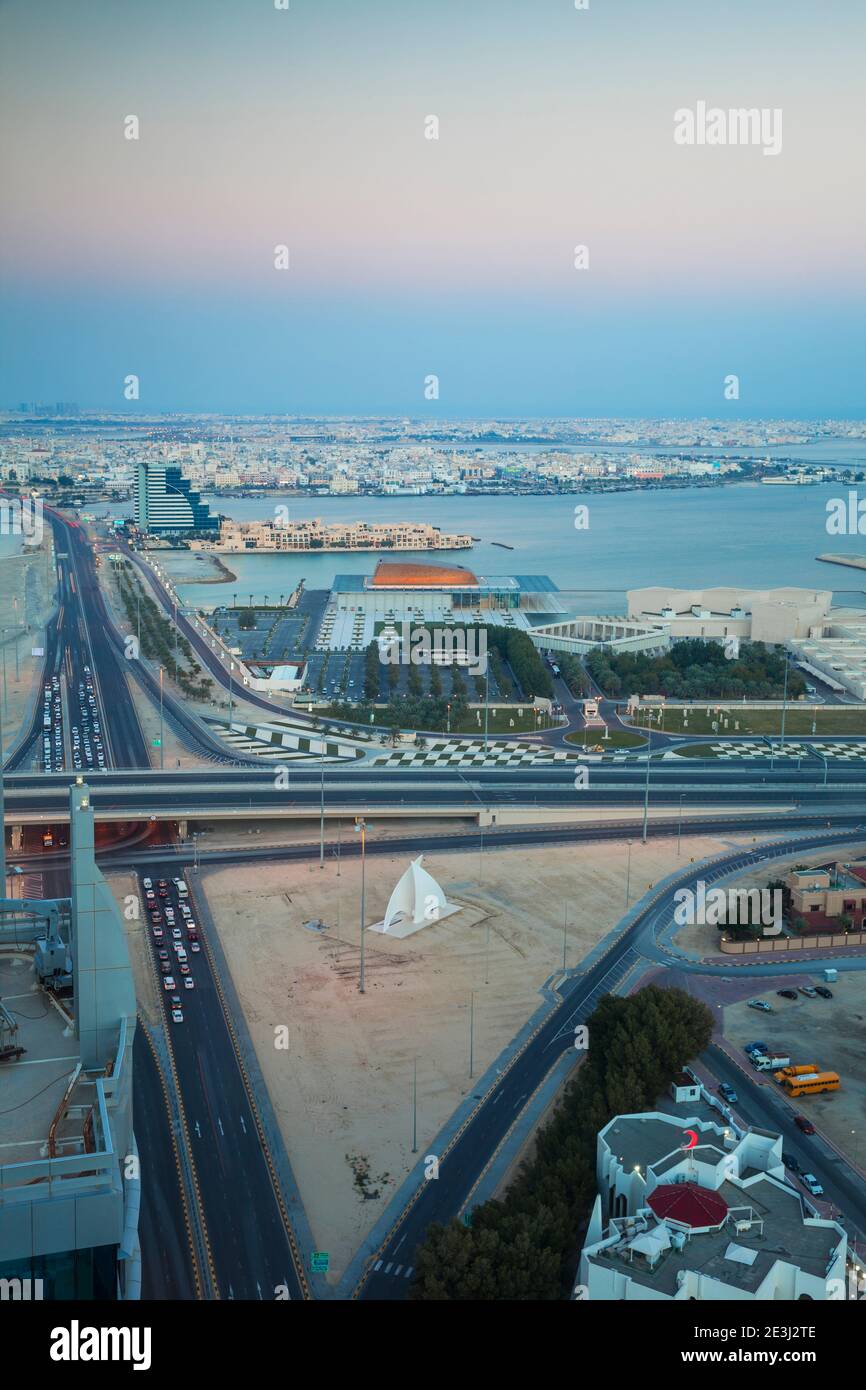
<point>690,1206</point>
<point>822,895</point>
<point>69,1185</point>
<point>757,615</point>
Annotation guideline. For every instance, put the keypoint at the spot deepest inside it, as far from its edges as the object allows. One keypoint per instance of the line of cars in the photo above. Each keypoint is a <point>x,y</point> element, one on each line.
<point>168,923</point>
<point>809,991</point>
<point>52,726</point>
<point>88,750</point>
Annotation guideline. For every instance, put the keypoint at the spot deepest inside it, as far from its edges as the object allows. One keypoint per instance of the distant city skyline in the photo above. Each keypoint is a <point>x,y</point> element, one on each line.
<point>411,257</point>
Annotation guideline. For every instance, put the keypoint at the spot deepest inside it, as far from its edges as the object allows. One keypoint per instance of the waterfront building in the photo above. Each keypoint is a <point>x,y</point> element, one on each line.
<point>164,502</point>
<point>238,537</point>
<point>757,615</point>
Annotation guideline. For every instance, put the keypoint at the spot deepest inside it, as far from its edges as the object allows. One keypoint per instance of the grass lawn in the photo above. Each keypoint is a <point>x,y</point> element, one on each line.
<point>827,719</point>
<point>504,719</point>
<point>615,739</point>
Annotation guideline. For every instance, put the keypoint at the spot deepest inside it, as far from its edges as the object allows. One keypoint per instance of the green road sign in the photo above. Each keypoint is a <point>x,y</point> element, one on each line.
<point>319,1261</point>
<point>156,742</point>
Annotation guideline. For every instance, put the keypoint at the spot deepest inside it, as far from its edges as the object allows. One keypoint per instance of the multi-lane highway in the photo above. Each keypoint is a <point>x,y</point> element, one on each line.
<point>251,1242</point>
<point>252,1247</point>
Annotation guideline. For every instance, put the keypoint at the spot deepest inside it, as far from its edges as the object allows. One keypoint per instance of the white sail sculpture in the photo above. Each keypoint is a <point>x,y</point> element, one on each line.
<point>416,902</point>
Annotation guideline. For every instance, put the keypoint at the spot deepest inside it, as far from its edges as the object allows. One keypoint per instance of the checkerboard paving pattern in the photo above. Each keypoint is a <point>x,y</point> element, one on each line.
<point>758,749</point>
<point>467,753</point>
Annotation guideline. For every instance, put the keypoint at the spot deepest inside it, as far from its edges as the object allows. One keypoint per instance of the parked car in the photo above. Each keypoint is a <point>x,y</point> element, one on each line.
<point>787,993</point>
<point>791,1162</point>
<point>760,1004</point>
<point>728,1092</point>
<point>824,992</point>
<point>757,1047</point>
<point>811,1182</point>
<point>804,1123</point>
<point>807,990</point>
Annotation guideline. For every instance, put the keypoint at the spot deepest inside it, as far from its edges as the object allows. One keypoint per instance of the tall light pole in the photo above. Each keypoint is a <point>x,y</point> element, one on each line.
<point>486,699</point>
<point>161,729</point>
<point>784,704</point>
<point>680,823</point>
<point>322,808</point>
<point>564,930</point>
<point>361,827</point>
<point>2,816</point>
<point>471,1033</point>
<point>628,874</point>
<point>646,789</point>
<point>415,1106</point>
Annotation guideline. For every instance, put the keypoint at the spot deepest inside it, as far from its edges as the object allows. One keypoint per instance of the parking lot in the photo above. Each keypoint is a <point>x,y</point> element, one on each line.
<point>828,1032</point>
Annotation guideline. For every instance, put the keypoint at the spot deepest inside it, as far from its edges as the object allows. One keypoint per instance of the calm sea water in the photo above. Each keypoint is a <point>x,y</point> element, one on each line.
<point>743,534</point>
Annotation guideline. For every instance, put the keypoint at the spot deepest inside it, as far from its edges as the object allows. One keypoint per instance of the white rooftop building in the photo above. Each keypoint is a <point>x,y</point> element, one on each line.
<point>757,615</point>
<point>691,1207</point>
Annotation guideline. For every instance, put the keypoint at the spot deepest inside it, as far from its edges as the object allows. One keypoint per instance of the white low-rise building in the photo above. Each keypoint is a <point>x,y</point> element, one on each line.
<point>756,615</point>
<point>690,1206</point>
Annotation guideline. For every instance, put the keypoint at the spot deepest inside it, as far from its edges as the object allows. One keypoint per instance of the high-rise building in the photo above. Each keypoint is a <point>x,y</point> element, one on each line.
<point>69,1183</point>
<point>164,502</point>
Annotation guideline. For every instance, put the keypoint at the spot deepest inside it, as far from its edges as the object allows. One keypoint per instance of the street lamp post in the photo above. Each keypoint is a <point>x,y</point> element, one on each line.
<point>680,823</point>
<point>784,704</point>
<point>471,1034</point>
<point>415,1106</point>
<point>486,700</point>
<point>628,874</point>
<point>564,931</point>
<point>646,788</point>
<point>161,729</point>
<point>322,808</point>
<point>361,828</point>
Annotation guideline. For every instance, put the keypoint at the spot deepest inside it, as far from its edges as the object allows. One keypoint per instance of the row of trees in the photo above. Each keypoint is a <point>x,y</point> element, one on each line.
<point>524,659</point>
<point>695,669</point>
<point>156,637</point>
<point>527,1245</point>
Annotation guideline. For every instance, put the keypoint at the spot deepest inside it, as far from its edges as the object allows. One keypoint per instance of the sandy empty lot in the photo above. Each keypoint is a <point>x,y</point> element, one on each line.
<point>829,1032</point>
<point>343,1089</point>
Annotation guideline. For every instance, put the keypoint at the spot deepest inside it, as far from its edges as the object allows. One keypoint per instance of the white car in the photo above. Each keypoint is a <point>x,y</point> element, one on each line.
<point>168,982</point>
<point>177,1015</point>
<point>760,1004</point>
<point>189,982</point>
<point>148,883</point>
<point>812,1183</point>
